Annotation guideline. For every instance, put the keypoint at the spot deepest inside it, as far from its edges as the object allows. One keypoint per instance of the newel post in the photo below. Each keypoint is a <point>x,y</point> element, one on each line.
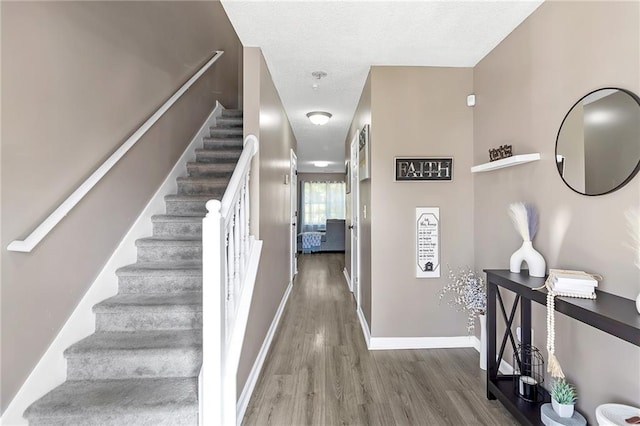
<point>213,313</point>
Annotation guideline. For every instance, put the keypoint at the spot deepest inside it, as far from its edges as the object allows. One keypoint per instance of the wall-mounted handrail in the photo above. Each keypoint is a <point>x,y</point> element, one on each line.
<point>63,209</point>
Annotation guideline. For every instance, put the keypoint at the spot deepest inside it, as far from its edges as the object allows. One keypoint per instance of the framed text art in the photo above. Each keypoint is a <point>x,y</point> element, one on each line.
<point>363,153</point>
<point>427,242</point>
<point>408,169</point>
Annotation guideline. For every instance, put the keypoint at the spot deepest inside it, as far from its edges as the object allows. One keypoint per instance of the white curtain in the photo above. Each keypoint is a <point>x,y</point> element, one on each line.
<point>321,201</point>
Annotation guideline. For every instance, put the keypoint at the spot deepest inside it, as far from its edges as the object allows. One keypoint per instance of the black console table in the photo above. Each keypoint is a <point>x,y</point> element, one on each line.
<point>612,314</point>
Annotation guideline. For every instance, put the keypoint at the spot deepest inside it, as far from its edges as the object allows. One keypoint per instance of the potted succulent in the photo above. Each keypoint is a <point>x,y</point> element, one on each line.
<point>563,398</point>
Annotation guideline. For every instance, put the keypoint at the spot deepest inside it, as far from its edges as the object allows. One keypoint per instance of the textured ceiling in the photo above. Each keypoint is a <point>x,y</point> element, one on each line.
<point>345,38</point>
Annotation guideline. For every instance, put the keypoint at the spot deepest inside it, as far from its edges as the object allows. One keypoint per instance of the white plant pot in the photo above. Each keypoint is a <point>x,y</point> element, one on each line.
<point>483,341</point>
<point>563,410</point>
<point>535,261</point>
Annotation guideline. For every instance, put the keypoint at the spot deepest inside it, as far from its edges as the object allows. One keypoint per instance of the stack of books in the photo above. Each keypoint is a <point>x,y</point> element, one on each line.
<point>575,284</point>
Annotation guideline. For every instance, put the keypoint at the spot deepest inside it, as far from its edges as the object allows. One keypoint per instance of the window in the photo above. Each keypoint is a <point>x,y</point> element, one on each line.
<point>321,201</point>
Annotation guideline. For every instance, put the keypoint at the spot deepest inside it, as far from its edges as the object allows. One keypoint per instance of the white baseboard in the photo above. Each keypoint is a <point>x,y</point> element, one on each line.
<point>346,277</point>
<point>476,343</point>
<point>395,343</point>
<point>365,327</point>
<point>388,343</point>
<point>247,391</point>
<point>51,370</point>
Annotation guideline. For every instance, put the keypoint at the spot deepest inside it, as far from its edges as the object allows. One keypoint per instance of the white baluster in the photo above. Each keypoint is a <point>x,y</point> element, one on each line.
<point>236,235</point>
<point>247,208</point>
<point>230,274</point>
<point>243,235</point>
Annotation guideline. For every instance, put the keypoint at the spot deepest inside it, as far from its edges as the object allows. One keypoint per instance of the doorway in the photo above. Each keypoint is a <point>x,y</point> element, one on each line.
<point>293,185</point>
<point>354,227</point>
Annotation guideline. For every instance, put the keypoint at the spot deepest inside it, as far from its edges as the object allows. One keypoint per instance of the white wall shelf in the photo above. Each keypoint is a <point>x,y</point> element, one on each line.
<point>506,162</point>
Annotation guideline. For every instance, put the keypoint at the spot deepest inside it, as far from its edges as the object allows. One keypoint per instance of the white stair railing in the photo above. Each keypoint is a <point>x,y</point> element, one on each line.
<point>230,264</point>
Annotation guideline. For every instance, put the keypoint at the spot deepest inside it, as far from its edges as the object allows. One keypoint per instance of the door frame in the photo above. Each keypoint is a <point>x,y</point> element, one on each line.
<point>355,217</point>
<point>293,217</point>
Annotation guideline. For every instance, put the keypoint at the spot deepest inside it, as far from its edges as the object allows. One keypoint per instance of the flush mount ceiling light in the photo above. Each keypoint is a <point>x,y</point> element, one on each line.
<point>321,163</point>
<point>319,118</point>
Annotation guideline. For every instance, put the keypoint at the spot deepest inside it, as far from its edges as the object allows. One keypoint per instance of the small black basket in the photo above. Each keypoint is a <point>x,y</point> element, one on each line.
<point>528,373</point>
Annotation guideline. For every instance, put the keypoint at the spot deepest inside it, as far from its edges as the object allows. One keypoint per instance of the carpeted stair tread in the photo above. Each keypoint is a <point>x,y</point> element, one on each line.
<point>115,401</point>
<point>224,152</point>
<point>168,241</point>
<point>151,340</point>
<point>161,269</point>
<point>217,144</point>
<point>190,204</point>
<point>203,198</point>
<point>178,302</point>
<point>160,277</point>
<point>229,121</point>
<point>232,113</point>
<point>235,141</point>
<point>218,155</point>
<point>225,131</point>
<point>205,180</point>
<point>196,168</point>
<point>175,218</point>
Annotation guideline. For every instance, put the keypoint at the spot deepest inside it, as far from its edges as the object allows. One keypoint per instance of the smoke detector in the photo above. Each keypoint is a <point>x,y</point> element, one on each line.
<point>319,75</point>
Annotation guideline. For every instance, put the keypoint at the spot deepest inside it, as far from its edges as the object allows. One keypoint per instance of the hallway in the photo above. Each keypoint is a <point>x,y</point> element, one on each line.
<point>319,371</point>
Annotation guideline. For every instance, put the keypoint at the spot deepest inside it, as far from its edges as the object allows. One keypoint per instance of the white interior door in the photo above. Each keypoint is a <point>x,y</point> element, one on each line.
<point>355,220</point>
<point>293,184</point>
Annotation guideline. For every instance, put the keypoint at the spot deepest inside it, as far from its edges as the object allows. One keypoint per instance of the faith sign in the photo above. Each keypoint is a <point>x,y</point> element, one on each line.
<point>421,169</point>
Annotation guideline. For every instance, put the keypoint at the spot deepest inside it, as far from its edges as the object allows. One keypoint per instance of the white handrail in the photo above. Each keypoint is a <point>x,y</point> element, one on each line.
<point>63,209</point>
<point>229,268</point>
<point>232,193</point>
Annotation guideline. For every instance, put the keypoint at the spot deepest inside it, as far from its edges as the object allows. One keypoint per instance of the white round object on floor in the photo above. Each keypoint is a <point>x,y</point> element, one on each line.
<point>615,414</point>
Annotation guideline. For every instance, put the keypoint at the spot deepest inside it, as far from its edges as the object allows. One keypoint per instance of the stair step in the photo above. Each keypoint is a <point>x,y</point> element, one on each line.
<point>195,205</point>
<point>229,122</point>
<point>157,277</point>
<point>131,312</point>
<point>156,249</point>
<point>204,185</point>
<point>225,132</point>
<point>211,169</point>
<point>165,401</point>
<point>139,354</point>
<point>222,143</point>
<point>232,113</point>
<point>226,155</point>
<point>177,226</point>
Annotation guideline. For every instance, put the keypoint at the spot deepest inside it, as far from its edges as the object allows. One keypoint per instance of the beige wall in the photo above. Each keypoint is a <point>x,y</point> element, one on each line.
<point>524,87</point>
<point>78,78</point>
<point>264,116</point>
<point>418,111</point>
<point>361,117</point>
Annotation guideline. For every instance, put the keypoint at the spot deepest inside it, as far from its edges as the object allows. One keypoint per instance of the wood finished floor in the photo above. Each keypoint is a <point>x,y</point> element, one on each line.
<point>319,371</point>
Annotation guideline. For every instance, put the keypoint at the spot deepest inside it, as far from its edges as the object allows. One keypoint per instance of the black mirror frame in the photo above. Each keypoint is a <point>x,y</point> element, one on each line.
<point>633,173</point>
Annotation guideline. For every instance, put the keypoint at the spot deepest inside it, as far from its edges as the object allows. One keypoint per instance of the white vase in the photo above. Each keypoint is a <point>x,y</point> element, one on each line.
<point>638,303</point>
<point>483,341</point>
<point>535,261</point>
<point>563,410</point>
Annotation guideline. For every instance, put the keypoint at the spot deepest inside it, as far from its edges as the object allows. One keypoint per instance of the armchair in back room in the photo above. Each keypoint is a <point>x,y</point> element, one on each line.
<point>334,236</point>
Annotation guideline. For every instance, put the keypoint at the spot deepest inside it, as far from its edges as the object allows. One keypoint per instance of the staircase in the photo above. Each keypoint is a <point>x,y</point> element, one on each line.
<point>141,365</point>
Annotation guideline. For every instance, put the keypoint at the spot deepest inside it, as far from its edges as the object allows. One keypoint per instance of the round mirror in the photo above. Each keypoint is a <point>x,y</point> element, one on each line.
<point>598,144</point>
